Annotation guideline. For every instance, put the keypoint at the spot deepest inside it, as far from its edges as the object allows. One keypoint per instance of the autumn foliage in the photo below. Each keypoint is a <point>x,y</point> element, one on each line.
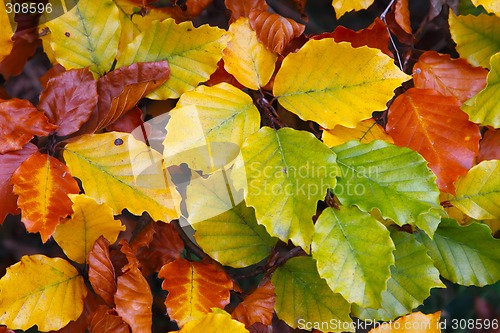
<point>251,177</point>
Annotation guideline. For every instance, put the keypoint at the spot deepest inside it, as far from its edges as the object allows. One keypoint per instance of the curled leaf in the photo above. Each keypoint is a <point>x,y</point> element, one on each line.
<point>242,8</point>
<point>102,320</point>
<point>101,271</point>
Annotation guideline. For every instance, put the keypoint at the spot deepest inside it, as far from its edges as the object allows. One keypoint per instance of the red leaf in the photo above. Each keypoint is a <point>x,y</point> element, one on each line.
<point>427,122</point>
<point>43,183</point>
<point>101,271</point>
<point>103,320</point>
<point>165,247</point>
<point>221,75</point>
<point>4,329</point>
<point>258,307</point>
<point>25,44</point>
<point>52,72</point>
<point>489,147</point>
<point>193,289</point>
<point>243,8</point>
<point>273,30</point>
<point>134,300</point>
<point>69,99</point>
<point>195,7</point>
<point>399,22</point>
<point>375,36</point>
<point>20,121</point>
<point>451,77</point>
<point>9,162</point>
<point>128,122</point>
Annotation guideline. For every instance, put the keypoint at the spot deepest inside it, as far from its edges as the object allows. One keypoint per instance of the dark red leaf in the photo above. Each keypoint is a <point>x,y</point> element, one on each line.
<point>52,72</point>
<point>101,271</point>
<point>128,122</point>
<point>221,75</point>
<point>25,44</point>
<point>489,146</point>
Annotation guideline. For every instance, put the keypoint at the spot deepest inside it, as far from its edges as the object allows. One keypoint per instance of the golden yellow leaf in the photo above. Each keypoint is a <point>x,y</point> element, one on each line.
<point>219,321</point>
<point>416,322</point>
<point>42,291</point>
<point>192,58</point>
<point>5,33</point>
<point>335,84</point>
<point>123,172</point>
<point>491,6</point>
<point>87,36</point>
<point>89,221</point>
<point>344,6</point>
<point>246,58</point>
<point>365,132</point>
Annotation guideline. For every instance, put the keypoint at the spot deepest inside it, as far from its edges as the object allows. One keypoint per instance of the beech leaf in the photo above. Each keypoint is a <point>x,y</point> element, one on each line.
<point>20,121</point>
<point>102,320</point>
<point>417,321</point>
<point>193,289</point>
<point>343,6</point>
<point>37,291</point>
<point>489,149</point>
<point>43,184</point>
<point>242,8</point>
<point>492,6</point>
<point>6,34</point>
<point>216,322</point>
<point>101,271</point>
<point>365,132</point>
<point>327,89</point>
<point>258,307</point>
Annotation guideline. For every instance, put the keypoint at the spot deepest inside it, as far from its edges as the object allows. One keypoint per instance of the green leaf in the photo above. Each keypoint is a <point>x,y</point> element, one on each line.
<point>87,36</point>
<point>477,37</point>
<point>208,126</point>
<point>354,253</point>
<point>412,277</point>
<point>284,181</point>
<point>484,107</point>
<point>192,53</point>
<point>466,255</point>
<point>225,228</point>
<point>396,180</point>
<point>303,297</point>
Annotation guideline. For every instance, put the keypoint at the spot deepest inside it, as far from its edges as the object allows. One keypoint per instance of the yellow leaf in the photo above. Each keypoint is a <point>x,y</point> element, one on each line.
<point>5,33</point>
<point>208,126</point>
<point>416,322</point>
<point>335,84</point>
<point>87,36</point>
<point>89,221</point>
<point>246,58</point>
<point>219,321</point>
<point>192,53</point>
<point>123,172</point>
<point>42,291</point>
<point>365,132</point>
<point>491,6</point>
<point>344,6</point>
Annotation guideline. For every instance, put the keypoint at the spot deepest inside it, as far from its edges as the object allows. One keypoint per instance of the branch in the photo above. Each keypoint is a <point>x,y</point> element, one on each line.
<point>188,243</point>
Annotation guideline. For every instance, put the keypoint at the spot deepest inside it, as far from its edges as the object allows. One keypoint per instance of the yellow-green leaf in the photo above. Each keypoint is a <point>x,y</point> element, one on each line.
<point>192,53</point>
<point>477,37</point>
<point>324,80</point>
<point>484,108</point>
<point>6,33</point>
<point>208,126</point>
<point>42,291</point>
<point>344,6</point>
<point>491,6</point>
<point>246,58</point>
<point>478,192</point>
<point>87,36</point>
<point>89,221</point>
<point>365,132</point>
<point>123,172</point>
<point>216,322</point>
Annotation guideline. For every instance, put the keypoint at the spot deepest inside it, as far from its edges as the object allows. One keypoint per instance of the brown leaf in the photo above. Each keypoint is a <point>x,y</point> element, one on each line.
<point>489,146</point>
<point>134,300</point>
<point>101,271</point>
<point>20,121</point>
<point>104,320</point>
<point>165,247</point>
<point>221,75</point>
<point>258,307</point>
<point>9,162</point>
<point>451,77</point>
<point>25,44</point>
<point>52,72</point>
<point>273,30</point>
<point>243,8</point>
<point>195,7</point>
<point>132,261</point>
<point>193,289</point>
<point>398,20</point>
<point>69,99</point>
<point>144,238</point>
<point>128,122</point>
<point>43,183</point>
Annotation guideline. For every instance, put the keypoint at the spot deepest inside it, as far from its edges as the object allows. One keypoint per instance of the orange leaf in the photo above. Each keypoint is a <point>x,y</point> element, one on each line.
<point>9,162</point>
<point>133,297</point>
<point>69,99</point>
<point>20,121</point>
<point>243,8</point>
<point>101,271</point>
<point>365,131</point>
<point>43,183</point>
<point>258,307</point>
<point>416,322</point>
<point>102,320</point>
<point>165,247</point>
<point>273,30</point>
<point>427,122</point>
<point>451,77</point>
<point>194,288</point>
<point>399,22</point>
<point>195,7</point>
<point>489,147</point>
